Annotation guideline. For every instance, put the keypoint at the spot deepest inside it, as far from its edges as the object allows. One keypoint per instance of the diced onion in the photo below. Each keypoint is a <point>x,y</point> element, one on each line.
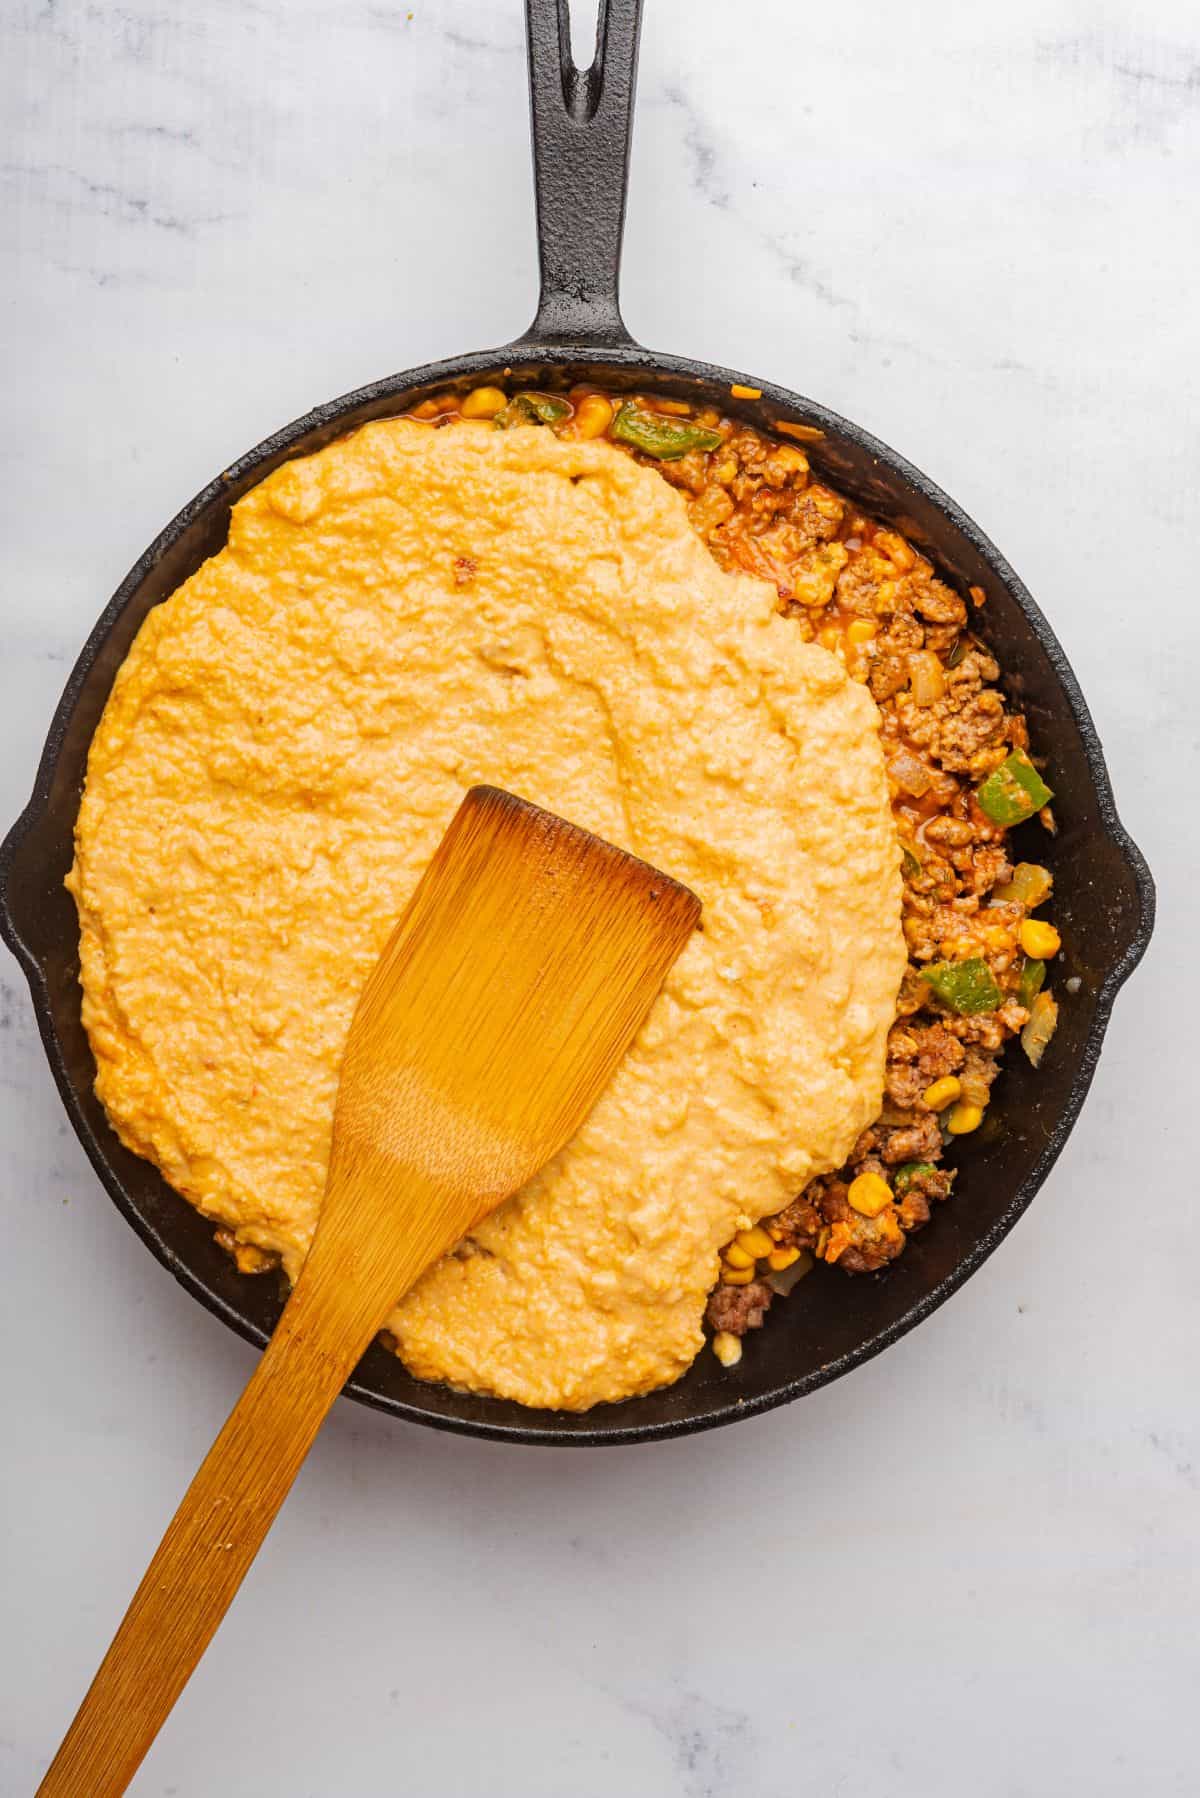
<point>1030,886</point>
<point>783,1281</point>
<point>975,1091</point>
<point>1043,1021</point>
<point>925,676</point>
<point>910,773</point>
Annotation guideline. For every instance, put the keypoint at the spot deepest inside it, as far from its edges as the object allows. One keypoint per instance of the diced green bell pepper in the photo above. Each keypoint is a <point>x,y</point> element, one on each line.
<point>1031,982</point>
<point>965,986</point>
<point>910,861</point>
<point>666,439</point>
<point>532,409</point>
<point>911,1170</point>
<point>1014,791</point>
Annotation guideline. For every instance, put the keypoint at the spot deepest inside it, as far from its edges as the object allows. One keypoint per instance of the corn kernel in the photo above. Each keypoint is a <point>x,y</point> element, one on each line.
<point>1040,941</point>
<point>861,631</point>
<point>737,1257</point>
<point>727,1348</point>
<point>869,1194</point>
<point>830,638</point>
<point>963,1119</point>
<point>483,402</point>
<point>593,415</point>
<point>756,1242</point>
<point>942,1093</point>
<point>778,1259</point>
<point>736,1276</point>
<point>727,471</point>
<point>745,393</point>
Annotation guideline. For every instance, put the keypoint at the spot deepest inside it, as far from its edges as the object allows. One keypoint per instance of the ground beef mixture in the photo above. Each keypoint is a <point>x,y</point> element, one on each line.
<point>864,592</point>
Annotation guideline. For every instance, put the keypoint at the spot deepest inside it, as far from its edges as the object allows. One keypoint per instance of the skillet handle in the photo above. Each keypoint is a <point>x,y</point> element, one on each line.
<point>581,122</point>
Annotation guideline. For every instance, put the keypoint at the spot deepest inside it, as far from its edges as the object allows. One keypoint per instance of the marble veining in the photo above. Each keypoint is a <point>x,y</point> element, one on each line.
<point>973,1566</point>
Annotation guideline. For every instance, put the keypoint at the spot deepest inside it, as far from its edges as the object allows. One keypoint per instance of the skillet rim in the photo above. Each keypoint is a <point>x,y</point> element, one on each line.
<point>624,357</point>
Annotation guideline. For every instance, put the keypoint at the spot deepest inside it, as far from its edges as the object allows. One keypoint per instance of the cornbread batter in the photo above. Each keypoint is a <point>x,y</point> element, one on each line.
<point>395,619</point>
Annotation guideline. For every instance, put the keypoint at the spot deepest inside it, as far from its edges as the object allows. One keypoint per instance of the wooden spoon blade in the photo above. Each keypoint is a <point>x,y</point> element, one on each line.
<point>522,968</point>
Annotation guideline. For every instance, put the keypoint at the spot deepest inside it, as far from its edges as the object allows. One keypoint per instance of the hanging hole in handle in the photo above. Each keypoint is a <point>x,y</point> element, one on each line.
<point>583,36</point>
<point>582,32</point>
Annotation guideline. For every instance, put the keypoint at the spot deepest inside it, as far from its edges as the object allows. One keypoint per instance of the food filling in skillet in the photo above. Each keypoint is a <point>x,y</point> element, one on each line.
<point>425,605</point>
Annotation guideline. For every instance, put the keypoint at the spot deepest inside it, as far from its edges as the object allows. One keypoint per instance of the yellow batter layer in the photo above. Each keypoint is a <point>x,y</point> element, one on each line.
<point>394,619</point>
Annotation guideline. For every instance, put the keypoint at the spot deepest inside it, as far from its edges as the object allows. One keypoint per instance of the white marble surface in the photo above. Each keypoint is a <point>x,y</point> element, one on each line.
<point>972,1566</point>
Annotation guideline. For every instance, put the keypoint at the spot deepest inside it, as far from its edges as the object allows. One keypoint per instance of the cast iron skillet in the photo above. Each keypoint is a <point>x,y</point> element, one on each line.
<point>1104,896</point>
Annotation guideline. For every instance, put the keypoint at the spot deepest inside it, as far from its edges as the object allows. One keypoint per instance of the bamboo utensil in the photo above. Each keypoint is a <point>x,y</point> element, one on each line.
<point>517,977</point>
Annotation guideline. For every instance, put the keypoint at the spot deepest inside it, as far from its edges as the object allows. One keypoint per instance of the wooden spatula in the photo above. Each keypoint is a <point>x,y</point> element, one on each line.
<point>511,987</point>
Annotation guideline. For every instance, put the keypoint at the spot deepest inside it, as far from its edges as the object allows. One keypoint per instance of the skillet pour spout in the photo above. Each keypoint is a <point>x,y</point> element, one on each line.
<point>1104,895</point>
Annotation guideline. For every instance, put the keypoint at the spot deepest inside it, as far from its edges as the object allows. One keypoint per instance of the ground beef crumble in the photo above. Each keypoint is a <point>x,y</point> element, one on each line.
<point>739,1308</point>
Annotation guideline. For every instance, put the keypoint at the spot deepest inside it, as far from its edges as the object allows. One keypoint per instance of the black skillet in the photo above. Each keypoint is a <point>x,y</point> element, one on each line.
<point>1104,896</point>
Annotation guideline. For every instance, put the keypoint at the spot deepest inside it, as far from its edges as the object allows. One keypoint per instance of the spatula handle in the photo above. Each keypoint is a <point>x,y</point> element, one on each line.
<point>208,1547</point>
